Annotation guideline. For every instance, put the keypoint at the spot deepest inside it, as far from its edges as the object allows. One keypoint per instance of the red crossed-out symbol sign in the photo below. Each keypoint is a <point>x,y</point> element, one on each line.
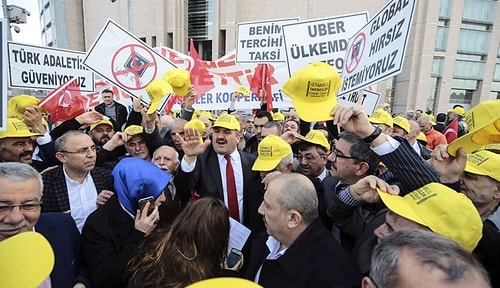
<point>133,66</point>
<point>355,52</point>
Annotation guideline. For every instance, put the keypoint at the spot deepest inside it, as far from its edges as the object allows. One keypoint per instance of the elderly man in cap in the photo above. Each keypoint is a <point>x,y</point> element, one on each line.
<point>220,170</point>
<point>132,139</point>
<point>16,143</point>
<point>25,109</point>
<point>312,155</point>
<point>20,201</point>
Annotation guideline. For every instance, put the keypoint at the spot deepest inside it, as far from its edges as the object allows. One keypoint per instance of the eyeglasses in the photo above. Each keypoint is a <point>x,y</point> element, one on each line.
<point>81,151</point>
<point>337,155</point>
<point>27,207</point>
<point>309,157</point>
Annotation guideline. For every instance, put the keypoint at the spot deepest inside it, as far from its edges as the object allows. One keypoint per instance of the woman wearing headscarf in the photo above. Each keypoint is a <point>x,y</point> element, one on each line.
<point>112,233</point>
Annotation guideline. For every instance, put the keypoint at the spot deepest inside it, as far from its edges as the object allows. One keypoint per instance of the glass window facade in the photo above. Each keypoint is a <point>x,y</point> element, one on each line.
<point>482,11</point>
<point>469,70</point>
<point>474,41</point>
<point>445,9</point>
<point>437,66</point>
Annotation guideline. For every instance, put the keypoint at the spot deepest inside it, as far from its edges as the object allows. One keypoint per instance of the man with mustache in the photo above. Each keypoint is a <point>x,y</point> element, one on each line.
<point>16,143</point>
<point>20,200</point>
<point>205,167</point>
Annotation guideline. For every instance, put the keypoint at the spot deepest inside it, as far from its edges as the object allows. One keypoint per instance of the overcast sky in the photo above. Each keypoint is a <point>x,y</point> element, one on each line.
<point>30,32</point>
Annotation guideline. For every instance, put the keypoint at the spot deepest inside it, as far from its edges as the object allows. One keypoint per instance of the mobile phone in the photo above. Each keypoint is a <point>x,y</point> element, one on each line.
<point>142,203</point>
<point>233,257</point>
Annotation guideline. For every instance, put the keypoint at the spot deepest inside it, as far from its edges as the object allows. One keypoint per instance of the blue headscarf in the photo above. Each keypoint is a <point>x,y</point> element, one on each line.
<point>134,178</point>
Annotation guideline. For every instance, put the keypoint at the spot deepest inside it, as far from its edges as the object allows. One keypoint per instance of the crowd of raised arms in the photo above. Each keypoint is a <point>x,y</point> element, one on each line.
<point>331,196</point>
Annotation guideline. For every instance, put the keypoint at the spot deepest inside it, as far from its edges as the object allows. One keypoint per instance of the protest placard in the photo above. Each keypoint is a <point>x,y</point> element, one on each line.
<point>377,51</point>
<point>39,67</point>
<point>126,61</point>
<point>261,41</point>
<point>323,39</point>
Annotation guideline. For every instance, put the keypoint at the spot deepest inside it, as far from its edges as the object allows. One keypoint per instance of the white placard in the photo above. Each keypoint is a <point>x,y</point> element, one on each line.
<point>39,67</point>
<point>369,100</point>
<point>123,59</point>
<point>322,39</point>
<point>377,51</point>
<point>261,41</point>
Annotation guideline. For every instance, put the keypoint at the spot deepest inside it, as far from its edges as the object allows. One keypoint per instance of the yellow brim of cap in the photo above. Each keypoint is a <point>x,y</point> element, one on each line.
<point>472,141</point>
<point>181,91</point>
<point>27,249</point>
<point>315,111</point>
<point>399,206</point>
<point>473,169</point>
<point>265,165</point>
<point>153,107</point>
<point>224,282</point>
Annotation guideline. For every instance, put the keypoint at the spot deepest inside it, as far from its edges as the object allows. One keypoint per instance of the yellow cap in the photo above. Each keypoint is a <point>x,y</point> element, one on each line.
<point>102,122</point>
<point>460,111</point>
<point>318,138</point>
<point>224,282</point>
<point>272,149</point>
<point>197,124</point>
<point>421,137</point>
<point>243,91</point>
<point>179,79</point>
<point>157,91</point>
<point>278,116</point>
<point>16,129</point>
<point>380,116</point>
<point>26,251</point>
<point>313,91</point>
<point>17,104</point>
<point>208,115</point>
<point>227,121</point>
<point>134,130</point>
<point>483,122</point>
<point>484,163</point>
<point>402,122</point>
<point>437,206</point>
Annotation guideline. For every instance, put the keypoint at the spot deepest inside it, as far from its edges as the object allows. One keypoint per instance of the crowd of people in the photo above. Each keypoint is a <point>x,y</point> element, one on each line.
<point>137,199</point>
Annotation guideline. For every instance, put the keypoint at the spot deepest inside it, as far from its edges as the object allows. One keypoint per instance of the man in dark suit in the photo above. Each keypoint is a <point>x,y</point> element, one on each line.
<point>77,185</point>
<point>299,251</point>
<point>203,168</point>
<point>20,202</point>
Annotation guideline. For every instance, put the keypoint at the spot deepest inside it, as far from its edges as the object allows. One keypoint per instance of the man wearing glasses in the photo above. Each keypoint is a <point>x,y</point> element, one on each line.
<point>77,186</point>
<point>20,200</point>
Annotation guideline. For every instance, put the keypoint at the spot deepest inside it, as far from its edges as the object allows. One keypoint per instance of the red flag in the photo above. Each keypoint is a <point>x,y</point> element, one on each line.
<point>65,102</point>
<point>261,80</point>
<point>451,131</point>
